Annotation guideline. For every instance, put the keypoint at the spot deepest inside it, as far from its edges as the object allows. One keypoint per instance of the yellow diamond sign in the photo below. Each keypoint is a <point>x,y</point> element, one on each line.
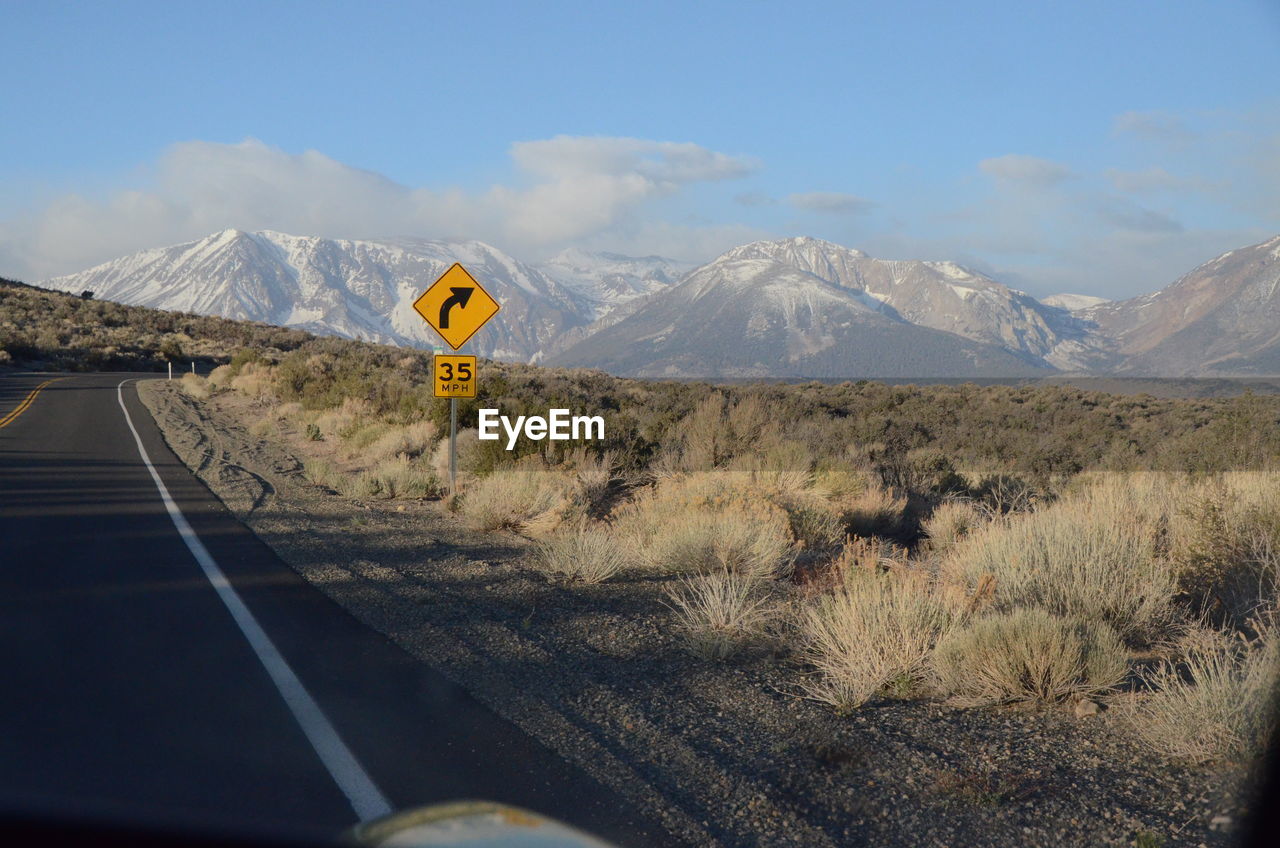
<point>456,306</point>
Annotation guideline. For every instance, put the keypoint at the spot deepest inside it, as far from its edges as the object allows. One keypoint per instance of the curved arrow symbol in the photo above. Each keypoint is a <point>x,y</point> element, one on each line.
<point>459,298</point>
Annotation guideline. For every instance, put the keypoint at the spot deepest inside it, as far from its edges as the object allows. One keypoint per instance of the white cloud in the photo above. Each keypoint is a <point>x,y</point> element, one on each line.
<point>573,188</point>
<point>677,241</point>
<point>663,163</point>
<point>1019,169</point>
<point>754,198</point>
<point>1123,214</point>
<point>1164,127</point>
<point>1150,180</point>
<point>832,202</point>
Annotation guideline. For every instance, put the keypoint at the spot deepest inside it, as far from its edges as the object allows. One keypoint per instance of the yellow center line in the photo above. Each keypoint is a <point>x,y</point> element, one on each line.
<point>26,402</point>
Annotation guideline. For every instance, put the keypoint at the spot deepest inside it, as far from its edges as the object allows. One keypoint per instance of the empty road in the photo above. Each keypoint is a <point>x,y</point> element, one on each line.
<point>140,685</point>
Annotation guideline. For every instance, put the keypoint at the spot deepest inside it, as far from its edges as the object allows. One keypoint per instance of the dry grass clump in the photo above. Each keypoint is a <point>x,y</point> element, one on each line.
<point>468,443</point>
<point>874,511</point>
<point>397,477</point>
<point>815,522</point>
<point>1085,557</point>
<point>706,522</point>
<point>595,476</point>
<point>323,473</point>
<point>412,441</point>
<point>254,380</point>
<point>876,633</point>
<point>1226,546</point>
<point>196,386</point>
<point>361,436</point>
<point>1218,703</point>
<point>589,554</point>
<point>950,522</point>
<point>1028,654</point>
<point>221,376</point>
<point>288,411</point>
<point>531,502</point>
<point>340,421</point>
<point>721,613</point>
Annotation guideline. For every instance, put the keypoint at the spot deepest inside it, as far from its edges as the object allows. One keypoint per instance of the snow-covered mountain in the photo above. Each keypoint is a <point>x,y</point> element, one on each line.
<point>790,307</point>
<point>939,295</point>
<point>748,314</point>
<point>358,289</point>
<point>608,280</point>
<point>1221,318</point>
<point>1072,302</point>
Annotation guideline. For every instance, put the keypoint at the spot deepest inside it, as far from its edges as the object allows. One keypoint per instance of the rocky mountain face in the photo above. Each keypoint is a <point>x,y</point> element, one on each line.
<point>609,280</point>
<point>358,289</point>
<point>797,307</point>
<point>1221,318</point>
<point>751,315</point>
<point>942,296</point>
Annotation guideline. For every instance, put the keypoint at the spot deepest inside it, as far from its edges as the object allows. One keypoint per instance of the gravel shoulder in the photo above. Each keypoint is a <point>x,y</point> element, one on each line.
<point>724,754</point>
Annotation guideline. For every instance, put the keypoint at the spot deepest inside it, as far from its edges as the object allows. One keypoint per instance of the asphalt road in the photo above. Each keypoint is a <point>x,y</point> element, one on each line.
<point>128,691</point>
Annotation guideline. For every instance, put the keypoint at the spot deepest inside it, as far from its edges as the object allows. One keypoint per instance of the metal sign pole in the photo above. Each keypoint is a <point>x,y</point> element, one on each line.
<point>453,446</point>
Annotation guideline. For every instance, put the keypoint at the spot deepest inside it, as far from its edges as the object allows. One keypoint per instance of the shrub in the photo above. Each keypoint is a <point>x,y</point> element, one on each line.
<point>706,522</point>
<point>361,436</point>
<point>1089,558</point>
<point>1002,494</point>
<point>196,386</point>
<point>468,445</point>
<point>221,376</point>
<point>1219,702</point>
<point>874,511</point>
<point>254,380</point>
<point>323,473</point>
<point>594,476</point>
<point>411,440</point>
<point>397,477</point>
<point>525,501</point>
<point>589,554</point>
<point>339,422</point>
<point>950,522</point>
<point>719,614</point>
<point>1028,654</point>
<point>876,632</point>
<point>1226,546</point>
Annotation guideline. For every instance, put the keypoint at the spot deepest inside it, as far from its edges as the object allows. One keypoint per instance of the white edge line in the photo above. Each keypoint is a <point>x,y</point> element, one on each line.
<point>365,797</point>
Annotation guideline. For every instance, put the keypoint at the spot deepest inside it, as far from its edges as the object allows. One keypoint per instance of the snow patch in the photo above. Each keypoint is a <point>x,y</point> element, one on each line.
<point>1072,302</point>
<point>951,270</point>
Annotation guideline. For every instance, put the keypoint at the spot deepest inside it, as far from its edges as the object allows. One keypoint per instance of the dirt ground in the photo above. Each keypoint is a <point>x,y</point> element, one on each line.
<point>724,753</point>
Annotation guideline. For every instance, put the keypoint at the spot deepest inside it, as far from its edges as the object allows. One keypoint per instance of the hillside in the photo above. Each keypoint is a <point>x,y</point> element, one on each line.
<point>56,331</point>
<point>759,317</point>
<point>355,289</point>
<point>1221,318</point>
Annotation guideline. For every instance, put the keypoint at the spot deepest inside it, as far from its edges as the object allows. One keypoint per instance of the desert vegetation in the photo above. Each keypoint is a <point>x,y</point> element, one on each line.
<point>970,545</point>
<point>879,572</point>
<point>57,331</point>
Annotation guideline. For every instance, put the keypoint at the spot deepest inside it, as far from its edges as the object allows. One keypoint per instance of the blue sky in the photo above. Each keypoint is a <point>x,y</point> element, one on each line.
<point>1103,148</point>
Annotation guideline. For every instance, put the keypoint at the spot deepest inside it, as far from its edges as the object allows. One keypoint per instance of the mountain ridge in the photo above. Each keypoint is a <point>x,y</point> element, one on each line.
<point>599,309</point>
